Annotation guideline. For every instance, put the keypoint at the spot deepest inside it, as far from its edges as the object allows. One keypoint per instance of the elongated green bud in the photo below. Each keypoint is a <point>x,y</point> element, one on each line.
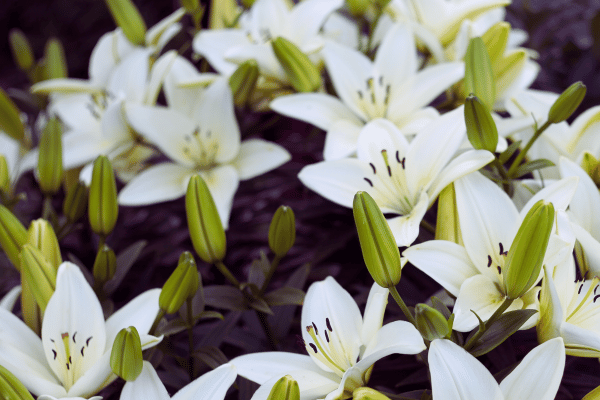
<point>13,235</point>
<point>55,63</point>
<point>526,254</point>
<point>103,209</point>
<point>41,236</point>
<point>481,128</point>
<point>431,323</point>
<point>358,7</point>
<point>10,121</point>
<point>479,77</point>
<point>302,73</point>
<point>366,393</point>
<point>495,40</point>
<point>567,103</point>
<point>39,273</point>
<point>282,231</point>
<point>21,49</point>
<point>190,5</point>
<point>243,81</point>
<point>50,165</point>
<point>126,356</point>
<point>76,202</point>
<point>11,388</point>
<point>204,223</point>
<point>128,18</point>
<point>4,176</point>
<point>285,389</point>
<point>105,265</point>
<point>181,285</point>
<point>377,242</point>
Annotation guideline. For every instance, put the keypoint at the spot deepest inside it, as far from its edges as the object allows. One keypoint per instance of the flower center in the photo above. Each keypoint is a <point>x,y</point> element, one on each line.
<point>374,99</point>
<point>70,361</point>
<point>585,303</point>
<point>327,348</point>
<point>201,148</point>
<point>389,186</point>
<point>495,263</point>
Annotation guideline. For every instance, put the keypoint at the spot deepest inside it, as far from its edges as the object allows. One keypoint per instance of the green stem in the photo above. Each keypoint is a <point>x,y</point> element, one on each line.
<point>522,154</point>
<point>190,321</point>
<point>270,273</point>
<point>503,307</point>
<point>47,210</point>
<point>227,274</point>
<point>502,171</point>
<point>262,317</point>
<point>402,305</point>
<point>161,313</point>
<point>428,227</point>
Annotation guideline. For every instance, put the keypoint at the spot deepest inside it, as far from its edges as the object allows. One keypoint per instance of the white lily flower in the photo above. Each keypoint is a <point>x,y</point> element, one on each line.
<point>391,87</point>
<point>72,357</point>
<point>10,298</point>
<point>46,397</point>
<point>341,345</point>
<point>489,222</point>
<point>403,179</point>
<point>212,385</point>
<point>199,133</point>
<point>457,375</point>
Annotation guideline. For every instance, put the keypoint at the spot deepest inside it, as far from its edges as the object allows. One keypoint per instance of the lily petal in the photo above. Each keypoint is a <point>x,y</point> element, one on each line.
<point>258,156</point>
<point>308,17</point>
<point>222,182</point>
<point>406,228</point>
<point>374,310</point>
<point>312,385</point>
<point>139,312</point>
<point>162,182</point>
<point>212,385</point>
<point>147,386</point>
<point>341,139</point>
<point>10,298</point>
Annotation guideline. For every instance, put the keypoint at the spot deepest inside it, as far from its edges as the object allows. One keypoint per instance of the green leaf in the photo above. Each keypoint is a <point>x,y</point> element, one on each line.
<point>211,356</point>
<point>225,297</point>
<point>501,329</point>
<point>531,166</point>
<point>284,296</point>
<point>508,153</point>
<point>261,305</point>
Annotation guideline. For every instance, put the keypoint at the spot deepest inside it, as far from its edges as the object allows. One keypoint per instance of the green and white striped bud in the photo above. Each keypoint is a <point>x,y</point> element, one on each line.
<point>181,285</point>
<point>567,103</point>
<point>481,128</point>
<point>479,77</point>
<point>366,393</point>
<point>75,202</point>
<point>13,235</point>
<point>126,358</point>
<point>204,223</point>
<point>39,273</point>
<point>11,388</point>
<point>4,176</point>
<point>103,208</point>
<point>431,323</point>
<point>41,236</point>
<point>302,73</point>
<point>282,231</point>
<point>50,166</point>
<point>128,18</point>
<point>21,49</point>
<point>55,63</point>
<point>105,265</point>
<point>243,81</point>
<point>10,120</point>
<point>377,242</point>
<point>526,255</point>
<point>285,389</point>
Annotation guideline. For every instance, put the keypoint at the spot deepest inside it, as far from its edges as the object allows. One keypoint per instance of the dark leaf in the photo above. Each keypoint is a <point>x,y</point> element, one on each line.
<point>508,153</point>
<point>500,330</point>
<point>224,296</point>
<point>125,260</point>
<point>531,166</point>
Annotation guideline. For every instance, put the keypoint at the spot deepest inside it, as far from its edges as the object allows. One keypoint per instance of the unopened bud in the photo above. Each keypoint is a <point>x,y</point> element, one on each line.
<point>248,3</point>
<point>128,18</point>
<point>377,242</point>
<point>285,389</point>
<point>567,103</point>
<point>190,6</point>
<point>358,8</point>
<point>495,40</point>
<point>181,285</point>
<point>126,356</point>
<point>526,255</point>
<point>430,322</point>
<point>282,231</point>
<point>105,265</point>
<point>302,73</point>
<point>103,209</point>
<point>41,236</point>
<point>204,223</point>
<point>39,273</point>
<point>11,388</point>
<point>55,63</point>
<point>50,165</point>
<point>13,235</point>
<point>479,77</point>
<point>481,128</point>
<point>10,120</point>
<point>4,176</point>
<point>21,49</point>
<point>366,393</point>
<point>243,81</point>
<point>76,202</point>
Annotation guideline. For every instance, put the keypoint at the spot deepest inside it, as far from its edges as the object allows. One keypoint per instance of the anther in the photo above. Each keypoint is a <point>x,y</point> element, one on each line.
<point>489,261</point>
<point>373,166</point>
<point>368,181</point>
<point>580,287</point>
<point>326,336</point>
<point>398,157</point>
<point>499,270</point>
<point>389,170</point>
<point>54,352</point>
<point>67,364</point>
<point>316,330</point>
<point>502,252</point>
<point>74,337</point>
<point>87,342</point>
<point>328,324</point>
<point>595,297</point>
<point>82,350</point>
<point>596,288</point>
<point>312,345</point>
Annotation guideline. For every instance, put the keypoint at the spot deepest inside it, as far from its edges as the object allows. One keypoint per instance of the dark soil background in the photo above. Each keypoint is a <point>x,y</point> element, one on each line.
<point>565,33</point>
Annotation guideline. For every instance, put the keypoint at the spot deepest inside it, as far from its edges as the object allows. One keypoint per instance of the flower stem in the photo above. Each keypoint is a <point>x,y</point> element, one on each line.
<point>503,307</point>
<point>190,321</point>
<point>227,274</point>
<point>161,313</point>
<point>269,275</point>
<point>402,305</point>
<point>522,154</point>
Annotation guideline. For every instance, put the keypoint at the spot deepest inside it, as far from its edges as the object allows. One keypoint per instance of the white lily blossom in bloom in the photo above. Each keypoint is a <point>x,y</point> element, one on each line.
<point>489,221</point>
<point>390,87</point>
<point>10,298</point>
<point>341,345</point>
<point>212,385</point>
<point>46,397</point>
<point>199,133</point>
<point>72,357</point>
<point>457,375</point>
<point>403,178</point>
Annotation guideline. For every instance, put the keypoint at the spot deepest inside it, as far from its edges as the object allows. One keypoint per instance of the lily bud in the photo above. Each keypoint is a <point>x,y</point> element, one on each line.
<point>567,103</point>
<point>181,285</point>
<point>591,165</point>
<point>4,176</point>
<point>431,323</point>
<point>285,389</point>
<point>55,63</point>
<point>204,223</point>
<point>479,77</point>
<point>481,128</point>
<point>248,3</point>
<point>366,393</point>
<point>190,5</point>
<point>128,18</point>
<point>76,202</point>
<point>358,7</point>
<point>105,265</point>
<point>126,356</point>
<point>39,273</point>
<point>102,207</point>
<point>10,120</point>
<point>21,49</point>
<point>243,81</point>
<point>377,242</point>
<point>526,254</point>
<point>282,231</point>
<point>41,236</point>
<point>11,388</point>
<point>303,73</point>
<point>50,165</point>
<point>13,235</point>
<point>495,40</point>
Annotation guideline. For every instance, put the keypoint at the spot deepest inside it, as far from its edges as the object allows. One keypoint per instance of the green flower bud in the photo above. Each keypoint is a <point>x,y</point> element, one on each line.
<point>526,255</point>
<point>103,208</point>
<point>128,18</point>
<point>105,265</point>
<point>55,63</point>
<point>50,165</point>
<point>447,224</point>
<point>243,81</point>
<point>366,393</point>
<point>431,323</point>
<point>285,389</point>
<point>41,236</point>
<point>4,176</point>
<point>481,128</point>
<point>190,5</point>
<point>204,223</point>
<point>377,242</point>
<point>248,3</point>
<point>479,78</point>
<point>21,49</point>
<point>39,273</point>
<point>282,231</point>
<point>495,40</point>
<point>10,120</point>
<point>181,285</point>
<point>126,356</point>
<point>11,388</point>
<point>358,7</point>
<point>76,202</point>
<point>567,103</point>
<point>302,73</point>
<point>13,235</point>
